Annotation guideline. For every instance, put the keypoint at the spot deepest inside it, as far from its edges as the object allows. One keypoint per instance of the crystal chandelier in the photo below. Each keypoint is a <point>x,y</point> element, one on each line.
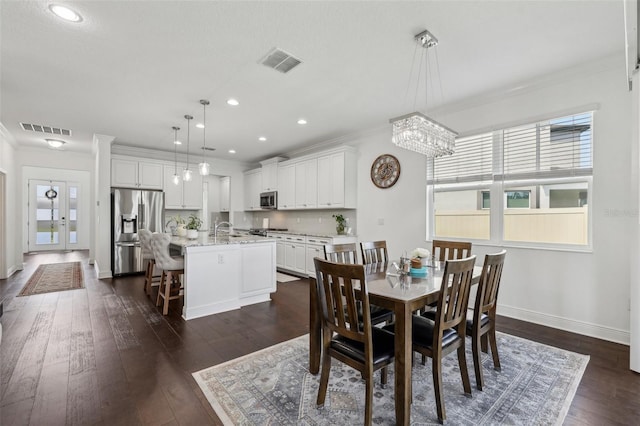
<point>187,173</point>
<point>204,166</point>
<point>419,133</point>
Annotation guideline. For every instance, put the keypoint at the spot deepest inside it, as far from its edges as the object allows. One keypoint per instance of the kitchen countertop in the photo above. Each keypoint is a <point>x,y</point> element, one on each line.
<point>312,234</point>
<point>221,240</point>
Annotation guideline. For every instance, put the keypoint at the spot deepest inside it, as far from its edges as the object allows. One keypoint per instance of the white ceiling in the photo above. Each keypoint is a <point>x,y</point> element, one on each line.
<point>134,69</point>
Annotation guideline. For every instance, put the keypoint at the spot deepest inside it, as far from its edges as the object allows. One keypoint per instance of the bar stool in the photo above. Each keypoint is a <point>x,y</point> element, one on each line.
<point>172,268</point>
<point>148,257</point>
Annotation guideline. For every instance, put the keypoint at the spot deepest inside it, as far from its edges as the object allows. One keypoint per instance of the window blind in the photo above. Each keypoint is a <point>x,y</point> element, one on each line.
<point>556,148</point>
<point>471,162</point>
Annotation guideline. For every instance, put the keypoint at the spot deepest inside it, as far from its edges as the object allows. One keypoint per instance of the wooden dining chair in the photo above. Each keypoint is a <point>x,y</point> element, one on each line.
<point>448,250</point>
<point>343,296</point>
<point>348,253</point>
<point>446,332</point>
<point>341,253</point>
<point>374,252</point>
<point>481,322</point>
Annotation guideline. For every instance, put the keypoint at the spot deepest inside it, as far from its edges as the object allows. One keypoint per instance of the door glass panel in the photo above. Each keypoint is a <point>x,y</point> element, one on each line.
<point>72,220</point>
<point>47,214</point>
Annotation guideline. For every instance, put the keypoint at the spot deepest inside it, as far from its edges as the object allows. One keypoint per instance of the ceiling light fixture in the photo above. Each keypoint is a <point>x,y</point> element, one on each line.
<point>417,132</point>
<point>55,143</point>
<point>262,139</point>
<point>232,151</point>
<point>302,121</point>
<point>65,13</point>
<point>176,142</point>
<point>200,126</point>
<point>204,166</point>
<point>187,173</point>
<point>233,102</point>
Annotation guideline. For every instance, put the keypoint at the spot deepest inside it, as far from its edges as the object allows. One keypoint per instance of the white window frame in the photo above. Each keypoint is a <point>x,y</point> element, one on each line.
<point>497,194</point>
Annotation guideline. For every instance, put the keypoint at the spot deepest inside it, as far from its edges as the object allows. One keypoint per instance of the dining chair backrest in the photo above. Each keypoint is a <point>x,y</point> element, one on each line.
<point>145,243</point>
<point>374,252</point>
<point>341,253</point>
<point>453,299</point>
<point>344,300</point>
<point>448,250</point>
<point>487,293</point>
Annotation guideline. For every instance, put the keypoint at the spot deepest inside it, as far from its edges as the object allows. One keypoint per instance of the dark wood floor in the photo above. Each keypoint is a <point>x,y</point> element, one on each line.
<point>106,356</point>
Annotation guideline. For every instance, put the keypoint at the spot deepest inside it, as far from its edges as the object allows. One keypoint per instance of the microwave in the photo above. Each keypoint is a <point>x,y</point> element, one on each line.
<point>269,200</point>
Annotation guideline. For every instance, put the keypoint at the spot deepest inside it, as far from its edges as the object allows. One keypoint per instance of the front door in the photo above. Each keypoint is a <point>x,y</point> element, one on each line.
<point>53,209</point>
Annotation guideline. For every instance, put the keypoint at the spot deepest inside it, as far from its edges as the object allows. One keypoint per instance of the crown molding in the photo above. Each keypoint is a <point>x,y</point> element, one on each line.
<point>157,154</point>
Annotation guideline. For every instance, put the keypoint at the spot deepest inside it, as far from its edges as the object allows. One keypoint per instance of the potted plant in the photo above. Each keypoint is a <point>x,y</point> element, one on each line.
<point>193,226</point>
<point>177,226</point>
<point>340,223</point>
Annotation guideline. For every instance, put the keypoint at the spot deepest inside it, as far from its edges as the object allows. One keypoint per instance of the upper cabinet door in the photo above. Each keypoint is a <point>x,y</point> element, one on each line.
<point>172,192</point>
<point>270,177</point>
<point>124,173</point>
<point>307,184</point>
<point>150,175</point>
<point>136,174</point>
<point>192,192</point>
<point>287,187</point>
<point>331,180</point>
<point>225,186</point>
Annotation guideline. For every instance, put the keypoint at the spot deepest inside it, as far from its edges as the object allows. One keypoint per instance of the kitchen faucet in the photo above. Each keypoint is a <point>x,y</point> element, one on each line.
<point>215,229</point>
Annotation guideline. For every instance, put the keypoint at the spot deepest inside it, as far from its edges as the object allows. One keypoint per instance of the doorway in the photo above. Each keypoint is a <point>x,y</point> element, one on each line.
<point>53,215</point>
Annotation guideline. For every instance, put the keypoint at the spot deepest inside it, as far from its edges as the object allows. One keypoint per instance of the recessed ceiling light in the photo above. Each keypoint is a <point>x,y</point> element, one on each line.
<point>302,121</point>
<point>177,142</point>
<point>65,13</point>
<point>200,126</point>
<point>55,143</point>
<point>262,139</point>
<point>232,151</point>
<point>233,102</point>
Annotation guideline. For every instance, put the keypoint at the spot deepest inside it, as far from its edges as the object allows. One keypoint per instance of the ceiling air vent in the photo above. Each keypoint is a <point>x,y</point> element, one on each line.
<point>280,60</point>
<point>39,128</point>
<point>206,148</point>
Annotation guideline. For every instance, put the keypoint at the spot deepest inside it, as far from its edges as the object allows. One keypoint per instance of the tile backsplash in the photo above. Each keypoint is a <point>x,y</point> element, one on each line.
<point>312,221</point>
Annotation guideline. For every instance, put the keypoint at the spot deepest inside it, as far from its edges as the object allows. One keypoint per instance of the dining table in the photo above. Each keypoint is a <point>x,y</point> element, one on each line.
<point>401,294</point>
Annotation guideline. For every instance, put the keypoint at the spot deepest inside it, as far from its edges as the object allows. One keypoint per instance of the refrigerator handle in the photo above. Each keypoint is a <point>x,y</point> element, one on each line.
<point>141,217</point>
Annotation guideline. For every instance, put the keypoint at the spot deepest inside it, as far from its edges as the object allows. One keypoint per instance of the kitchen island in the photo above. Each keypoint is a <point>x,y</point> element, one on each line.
<point>226,273</point>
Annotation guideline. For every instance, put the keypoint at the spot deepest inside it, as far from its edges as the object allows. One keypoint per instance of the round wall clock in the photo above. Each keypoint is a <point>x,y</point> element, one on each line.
<point>385,171</point>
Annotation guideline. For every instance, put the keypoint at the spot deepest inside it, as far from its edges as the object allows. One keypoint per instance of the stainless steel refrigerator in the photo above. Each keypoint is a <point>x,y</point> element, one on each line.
<point>133,209</point>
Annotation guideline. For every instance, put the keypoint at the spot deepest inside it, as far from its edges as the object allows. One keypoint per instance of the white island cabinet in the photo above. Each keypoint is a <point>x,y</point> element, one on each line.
<point>227,273</point>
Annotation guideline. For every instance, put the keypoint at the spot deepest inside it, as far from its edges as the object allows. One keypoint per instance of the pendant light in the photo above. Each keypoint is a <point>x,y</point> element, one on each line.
<point>176,176</point>
<point>204,166</point>
<point>187,173</point>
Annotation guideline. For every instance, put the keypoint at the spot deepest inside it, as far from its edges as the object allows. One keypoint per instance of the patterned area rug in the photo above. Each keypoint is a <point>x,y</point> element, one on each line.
<point>54,277</point>
<point>535,387</point>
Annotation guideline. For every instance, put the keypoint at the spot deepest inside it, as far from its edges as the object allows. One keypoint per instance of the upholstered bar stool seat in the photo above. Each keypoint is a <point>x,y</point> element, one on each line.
<point>172,268</point>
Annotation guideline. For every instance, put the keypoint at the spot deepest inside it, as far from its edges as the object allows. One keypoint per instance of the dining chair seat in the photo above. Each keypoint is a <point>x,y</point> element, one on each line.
<point>423,329</point>
<point>383,346</point>
<point>484,320</point>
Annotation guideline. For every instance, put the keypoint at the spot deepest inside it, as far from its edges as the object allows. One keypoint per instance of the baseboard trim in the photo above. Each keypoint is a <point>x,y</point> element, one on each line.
<point>13,269</point>
<point>566,324</point>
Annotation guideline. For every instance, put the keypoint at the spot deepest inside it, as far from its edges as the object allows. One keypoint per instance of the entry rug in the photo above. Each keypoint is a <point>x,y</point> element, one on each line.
<point>54,277</point>
<point>273,386</point>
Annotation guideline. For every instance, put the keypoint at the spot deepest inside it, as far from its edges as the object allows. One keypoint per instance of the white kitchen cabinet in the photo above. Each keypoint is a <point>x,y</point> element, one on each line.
<point>252,189</point>
<point>258,273</point>
<point>287,187</point>
<point>184,195</point>
<point>314,248</point>
<point>337,180</point>
<point>270,181</point>
<point>306,183</point>
<point>127,173</point>
<point>225,186</point>
<point>295,253</point>
<point>280,248</point>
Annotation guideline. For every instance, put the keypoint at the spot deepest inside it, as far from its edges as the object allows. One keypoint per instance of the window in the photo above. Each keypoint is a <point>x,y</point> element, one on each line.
<point>540,174</point>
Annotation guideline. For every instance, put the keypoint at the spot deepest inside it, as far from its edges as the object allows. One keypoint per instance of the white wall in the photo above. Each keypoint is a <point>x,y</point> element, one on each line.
<point>10,252</point>
<point>583,292</point>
